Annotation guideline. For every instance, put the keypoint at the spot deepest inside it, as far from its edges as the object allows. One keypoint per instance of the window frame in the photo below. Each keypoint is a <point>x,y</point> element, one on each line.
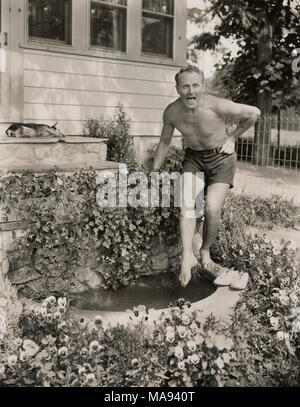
<point>48,41</point>
<point>99,47</point>
<point>166,16</point>
<point>80,36</point>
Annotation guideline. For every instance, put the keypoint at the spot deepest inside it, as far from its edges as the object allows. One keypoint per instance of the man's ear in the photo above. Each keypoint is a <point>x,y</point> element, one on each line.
<point>176,87</point>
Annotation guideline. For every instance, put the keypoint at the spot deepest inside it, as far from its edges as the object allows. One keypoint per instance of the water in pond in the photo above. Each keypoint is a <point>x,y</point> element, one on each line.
<point>156,292</point>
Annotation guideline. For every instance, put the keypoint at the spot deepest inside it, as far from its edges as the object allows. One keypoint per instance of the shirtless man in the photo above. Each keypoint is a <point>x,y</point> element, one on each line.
<point>200,118</point>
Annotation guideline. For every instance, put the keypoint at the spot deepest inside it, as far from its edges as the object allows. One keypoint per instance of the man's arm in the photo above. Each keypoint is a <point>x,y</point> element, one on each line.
<point>165,140</point>
<point>245,114</point>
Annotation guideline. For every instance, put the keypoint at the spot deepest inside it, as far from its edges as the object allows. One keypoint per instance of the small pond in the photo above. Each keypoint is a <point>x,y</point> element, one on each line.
<point>156,291</point>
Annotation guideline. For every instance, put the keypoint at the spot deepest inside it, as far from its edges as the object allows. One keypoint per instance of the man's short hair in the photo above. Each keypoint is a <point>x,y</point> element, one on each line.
<point>188,68</point>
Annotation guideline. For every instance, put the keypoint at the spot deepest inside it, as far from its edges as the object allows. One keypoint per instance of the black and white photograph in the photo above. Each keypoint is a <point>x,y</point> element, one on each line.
<point>150,197</point>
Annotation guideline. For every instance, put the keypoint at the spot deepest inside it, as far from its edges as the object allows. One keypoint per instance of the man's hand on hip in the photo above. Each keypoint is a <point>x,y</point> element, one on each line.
<point>228,146</point>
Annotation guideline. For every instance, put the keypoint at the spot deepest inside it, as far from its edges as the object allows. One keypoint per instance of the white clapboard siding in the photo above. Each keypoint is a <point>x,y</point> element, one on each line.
<point>60,112</point>
<point>99,98</point>
<point>39,61</point>
<point>73,127</point>
<point>95,83</point>
<point>69,89</point>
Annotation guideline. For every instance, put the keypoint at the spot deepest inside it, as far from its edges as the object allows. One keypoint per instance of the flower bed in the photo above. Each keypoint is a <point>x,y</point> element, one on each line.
<point>53,350</point>
<point>259,347</point>
<point>262,212</point>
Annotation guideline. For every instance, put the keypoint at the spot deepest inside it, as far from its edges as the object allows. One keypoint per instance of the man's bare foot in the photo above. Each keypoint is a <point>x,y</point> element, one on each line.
<point>188,261</point>
<point>205,256</point>
<point>208,264</point>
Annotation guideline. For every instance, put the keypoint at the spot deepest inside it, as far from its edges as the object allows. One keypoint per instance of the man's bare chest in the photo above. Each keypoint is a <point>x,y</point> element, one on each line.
<point>204,123</point>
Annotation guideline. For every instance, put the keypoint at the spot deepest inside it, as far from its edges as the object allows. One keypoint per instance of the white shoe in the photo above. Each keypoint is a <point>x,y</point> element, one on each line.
<point>226,278</point>
<point>240,282</point>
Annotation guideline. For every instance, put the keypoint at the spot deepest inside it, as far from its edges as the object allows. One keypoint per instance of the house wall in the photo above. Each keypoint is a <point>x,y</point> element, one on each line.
<point>68,89</point>
<point>68,84</point>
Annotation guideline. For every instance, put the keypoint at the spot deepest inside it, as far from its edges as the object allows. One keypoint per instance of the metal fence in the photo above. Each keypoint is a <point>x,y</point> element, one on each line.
<point>273,142</point>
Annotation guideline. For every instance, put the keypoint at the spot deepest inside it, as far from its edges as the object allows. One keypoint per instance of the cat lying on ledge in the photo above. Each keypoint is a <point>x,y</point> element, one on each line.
<point>33,130</point>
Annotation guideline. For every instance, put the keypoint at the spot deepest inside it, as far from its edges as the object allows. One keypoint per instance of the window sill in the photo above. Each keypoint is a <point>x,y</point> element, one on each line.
<point>98,53</point>
<point>44,42</point>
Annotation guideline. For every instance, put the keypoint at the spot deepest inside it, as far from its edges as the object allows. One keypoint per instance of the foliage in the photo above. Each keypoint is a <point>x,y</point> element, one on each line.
<point>51,350</point>
<point>122,346</point>
<point>120,147</point>
<point>56,350</point>
<point>66,221</point>
<point>257,211</point>
<point>233,247</point>
<point>259,346</point>
<point>269,323</point>
<point>9,304</point>
<point>186,352</point>
<point>266,33</point>
<point>172,162</point>
<point>271,308</point>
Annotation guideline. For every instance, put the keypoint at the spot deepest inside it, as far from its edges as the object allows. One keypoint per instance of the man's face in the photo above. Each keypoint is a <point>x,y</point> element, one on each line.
<point>189,88</point>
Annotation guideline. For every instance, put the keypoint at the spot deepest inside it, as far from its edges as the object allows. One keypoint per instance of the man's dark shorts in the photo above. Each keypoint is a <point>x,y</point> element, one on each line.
<point>217,167</point>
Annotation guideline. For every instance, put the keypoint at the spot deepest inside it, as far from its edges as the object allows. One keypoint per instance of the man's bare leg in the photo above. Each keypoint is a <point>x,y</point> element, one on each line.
<point>188,260</point>
<point>187,228</point>
<point>216,194</point>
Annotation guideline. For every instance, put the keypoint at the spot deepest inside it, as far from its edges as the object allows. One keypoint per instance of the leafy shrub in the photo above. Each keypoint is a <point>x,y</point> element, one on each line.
<point>120,147</point>
<point>186,352</point>
<point>48,352</point>
<point>256,211</point>
<point>10,305</point>
<point>122,345</point>
<point>54,350</point>
<point>258,347</point>
<point>172,162</point>
<point>269,304</point>
<point>66,222</point>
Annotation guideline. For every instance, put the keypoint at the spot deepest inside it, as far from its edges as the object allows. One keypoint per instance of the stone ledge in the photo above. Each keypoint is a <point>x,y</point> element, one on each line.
<point>30,153</point>
<point>51,140</point>
<point>67,167</point>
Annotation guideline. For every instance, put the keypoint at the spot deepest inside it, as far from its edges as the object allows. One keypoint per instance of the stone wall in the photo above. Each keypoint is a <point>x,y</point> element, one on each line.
<point>86,275</point>
<point>38,153</point>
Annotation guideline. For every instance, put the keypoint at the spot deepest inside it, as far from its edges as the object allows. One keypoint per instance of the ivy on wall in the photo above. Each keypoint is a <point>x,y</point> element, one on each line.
<point>66,226</point>
<point>67,230</point>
